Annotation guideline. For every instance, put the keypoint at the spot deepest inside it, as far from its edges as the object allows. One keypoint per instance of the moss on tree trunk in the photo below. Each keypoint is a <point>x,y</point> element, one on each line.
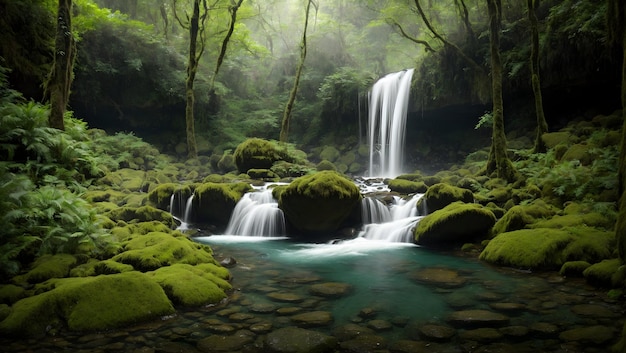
<point>542,125</point>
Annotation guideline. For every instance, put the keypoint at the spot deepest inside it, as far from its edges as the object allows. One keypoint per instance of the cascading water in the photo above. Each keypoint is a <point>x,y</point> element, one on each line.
<point>388,106</point>
<point>257,215</point>
<point>393,224</point>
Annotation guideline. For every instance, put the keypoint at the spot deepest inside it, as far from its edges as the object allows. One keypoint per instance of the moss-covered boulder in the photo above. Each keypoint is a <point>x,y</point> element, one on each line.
<point>153,250</point>
<point>161,195</point>
<point>88,304</point>
<point>515,218</point>
<point>193,285</point>
<point>606,274</point>
<point>214,202</point>
<point>46,267</point>
<point>141,214</point>
<point>125,179</point>
<point>404,186</point>
<point>454,224</point>
<point>319,203</point>
<point>263,174</point>
<point>440,195</point>
<point>528,248</point>
<point>256,153</point>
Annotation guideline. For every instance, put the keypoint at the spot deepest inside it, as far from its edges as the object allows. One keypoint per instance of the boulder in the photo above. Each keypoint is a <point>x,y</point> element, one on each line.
<point>256,153</point>
<point>192,285</point>
<point>440,195</point>
<point>404,186</point>
<point>313,319</point>
<point>454,224</point>
<point>214,202</point>
<point>88,304</point>
<point>297,340</point>
<point>319,203</point>
<point>330,289</point>
<point>477,318</point>
<point>141,214</point>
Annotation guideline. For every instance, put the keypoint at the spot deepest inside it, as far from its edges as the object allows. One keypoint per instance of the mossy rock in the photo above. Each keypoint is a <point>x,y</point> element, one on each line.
<point>528,248</point>
<point>579,152</point>
<point>454,224</point>
<point>153,250</point>
<point>10,293</point>
<point>141,214</point>
<point>95,268</point>
<point>589,244</point>
<point>189,285</point>
<point>113,196</point>
<point>440,195</point>
<point>256,153</point>
<point>515,218</point>
<point>411,176</point>
<point>262,174</point>
<point>88,304</point>
<point>326,165</point>
<point>125,179</point>
<point>160,196</point>
<point>574,268</point>
<point>329,153</point>
<point>227,163</point>
<point>407,187</point>
<point>319,203</point>
<point>552,139</point>
<point>214,203</point>
<point>591,219</point>
<point>606,274</point>
<point>48,266</point>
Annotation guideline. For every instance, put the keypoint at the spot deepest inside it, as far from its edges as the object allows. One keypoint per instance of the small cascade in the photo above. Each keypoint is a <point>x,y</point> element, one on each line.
<point>177,210</point>
<point>374,211</point>
<point>186,219</point>
<point>257,214</point>
<point>388,107</point>
<point>400,219</point>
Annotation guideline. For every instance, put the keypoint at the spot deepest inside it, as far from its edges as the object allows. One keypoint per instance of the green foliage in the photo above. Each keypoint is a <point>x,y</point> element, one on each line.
<point>485,120</point>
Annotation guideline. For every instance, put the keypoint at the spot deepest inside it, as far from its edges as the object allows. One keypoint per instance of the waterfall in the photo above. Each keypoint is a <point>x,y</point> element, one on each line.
<point>388,106</point>
<point>395,225</point>
<point>257,214</point>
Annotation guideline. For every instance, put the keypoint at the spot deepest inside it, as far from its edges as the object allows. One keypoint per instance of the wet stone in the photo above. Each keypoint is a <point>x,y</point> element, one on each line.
<point>510,308</point>
<point>261,327</point>
<point>593,311</point>
<point>173,347</point>
<point>219,343</point>
<point>350,331</point>
<point>379,325</point>
<point>290,310</point>
<point>544,329</point>
<point>222,328</point>
<point>313,319</point>
<point>588,335</point>
<point>439,277</point>
<point>364,343</point>
<point>285,297</point>
<point>240,317</point>
<point>437,333</point>
<point>330,289</point>
<point>298,340</point>
<point>484,334</point>
<point>227,312</point>
<point>477,318</point>
<point>515,331</point>
<point>489,296</point>
<point>228,262</point>
<point>262,308</point>
<point>407,346</point>
<point>367,312</point>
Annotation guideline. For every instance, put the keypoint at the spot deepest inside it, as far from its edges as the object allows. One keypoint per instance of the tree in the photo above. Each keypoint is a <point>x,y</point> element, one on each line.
<point>60,79</point>
<point>284,128</point>
<point>498,161</point>
<point>542,125</point>
<point>196,27</point>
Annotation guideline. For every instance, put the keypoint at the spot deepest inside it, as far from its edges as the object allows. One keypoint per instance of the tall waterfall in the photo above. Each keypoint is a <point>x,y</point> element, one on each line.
<point>388,106</point>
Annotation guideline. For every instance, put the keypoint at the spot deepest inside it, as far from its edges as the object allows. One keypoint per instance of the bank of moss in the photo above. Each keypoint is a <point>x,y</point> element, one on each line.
<point>192,285</point>
<point>440,195</point>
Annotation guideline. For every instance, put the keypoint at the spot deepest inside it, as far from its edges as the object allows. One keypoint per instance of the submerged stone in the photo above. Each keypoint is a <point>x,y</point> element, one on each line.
<point>477,318</point>
<point>588,335</point>
<point>298,340</point>
<point>437,333</point>
<point>313,318</point>
<point>330,289</point>
<point>285,297</point>
<point>484,334</point>
<point>218,343</point>
<point>439,277</point>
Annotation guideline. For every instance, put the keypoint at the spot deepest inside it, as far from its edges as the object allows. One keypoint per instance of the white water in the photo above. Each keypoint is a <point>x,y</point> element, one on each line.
<point>388,106</point>
<point>391,224</point>
<point>257,214</point>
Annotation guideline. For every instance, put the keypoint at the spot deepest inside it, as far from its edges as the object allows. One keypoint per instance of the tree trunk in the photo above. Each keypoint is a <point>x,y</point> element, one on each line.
<point>192,68</point>
<point>542,125</point>
<point>220,59</point>
<point>60,79</point>
<point>284,128</point>
<point>498,161</point>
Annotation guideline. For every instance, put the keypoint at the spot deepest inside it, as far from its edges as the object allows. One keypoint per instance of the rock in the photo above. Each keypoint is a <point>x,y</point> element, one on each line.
<point>437,333</point>
<point>261,327</point>
<point>379,325</point>
<point>141,214</point>
<point>477,318</point>
<point>484,334</point>
<point>441,195</point>
<point>350,331</point>
<point>256,153</point>
<point>515,331</point>
<point>403,186</point>
<point>219,343</point>
<point>262,308</point>
<point>290,310</point>
<point>594,311</point>
<point>330,289</point>
<point>588,335</point>
<point>297,340</point>
<point>454,224</point>
<point>214,202</point>
<point>228,262</point>
<point>365,343</point>
<point>285,297</point>
<point>508,307</point>
<point>439,277</point>
<point>313,318</point>
<point>367,312</point>
<point>319,203</point>
<point>544,329</point>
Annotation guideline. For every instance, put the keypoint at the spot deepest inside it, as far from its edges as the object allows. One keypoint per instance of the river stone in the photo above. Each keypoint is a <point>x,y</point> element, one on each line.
<point>262,308</point>
<point>219,343</point>
<point>593,310</point>
<point>437,333</point>
<point>298,340</point>
<point>290,310</point>
<point>228,262</point>
<point>350,331</point>
<point>408,346</point>
<point>440,277</point>
<point>515,331</point>
<point>364,343</point>
<point>285,297</point>
<point>379,325</point>
<point>592,334</point>
<point>477,318</point>
<point>484,334</point>
<point>544,329</point>
<point>330,289</point>
<point>240,317</point>
<point>313,318</point>
<point>508,307</point>
<point>261,327</point>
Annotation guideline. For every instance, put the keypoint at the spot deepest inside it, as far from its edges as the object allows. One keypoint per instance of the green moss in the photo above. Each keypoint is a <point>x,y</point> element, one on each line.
<point>87,304</point>
<point>325,165</point>
<point>407,187</point>
<point>141,214</point>
<point>257,153</point>
<point>263,174</point>
<point>589,244</point>
<point>515,218</point>
<point>159,197</point>
<point>553,139</point>
<point>48,266</point>
<point>10,293</point>
<point>227,163</point>
<point>605,274</point>
<point>190,286</point>
<point>214,203</point>
<point>579,152</point>
<point>153,250</point>
<point>592,219</point>
<point>213,178</point>
<point>329,153</point>
<point>574,268</point>
<point>454,224</point>
<point>528,248</point>
<point>113,196</point>
<point>320,202</point>
<point>440,195</point>
<point>411,176</point>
